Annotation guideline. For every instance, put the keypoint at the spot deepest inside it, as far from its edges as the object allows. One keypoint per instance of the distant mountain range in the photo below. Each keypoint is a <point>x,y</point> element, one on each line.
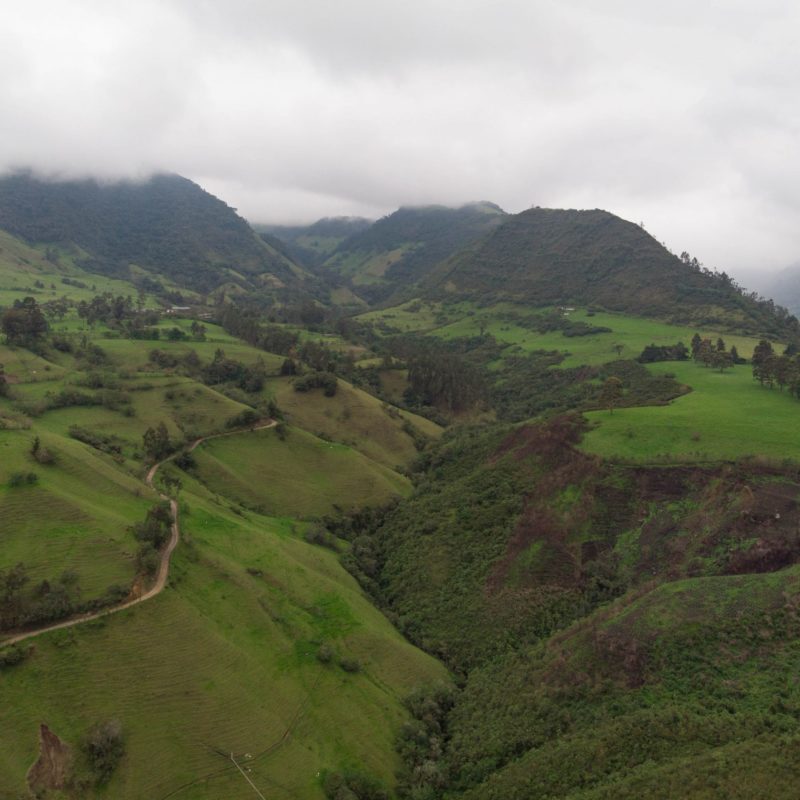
<point>169,226</point>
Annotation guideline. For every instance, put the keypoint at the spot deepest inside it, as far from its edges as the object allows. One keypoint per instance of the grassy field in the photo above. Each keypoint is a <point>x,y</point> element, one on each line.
<point>727,415</point>
<point>355,418</point>
<point>300,475</point>
<point>224,662</point>
<point>633,333</point>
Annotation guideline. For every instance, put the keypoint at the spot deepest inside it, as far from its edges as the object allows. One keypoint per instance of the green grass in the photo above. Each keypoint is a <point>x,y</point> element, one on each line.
<point>301,476</point>
<point>224,661</point>
<point>634,333</point>
<point>75,518</point>
<point>355,418</point>
<point>726,416</point>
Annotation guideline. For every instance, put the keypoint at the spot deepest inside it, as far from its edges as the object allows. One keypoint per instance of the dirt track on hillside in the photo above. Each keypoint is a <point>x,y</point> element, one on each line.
<point>163,567</point>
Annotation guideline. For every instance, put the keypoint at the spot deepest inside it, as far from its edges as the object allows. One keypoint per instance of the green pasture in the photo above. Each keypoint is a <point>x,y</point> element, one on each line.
<point>633,333</point>
<point>725,416</point>
<point>75,517</point>
<point>224,661</point>
<point>355,418</point>
<point>299,475</point>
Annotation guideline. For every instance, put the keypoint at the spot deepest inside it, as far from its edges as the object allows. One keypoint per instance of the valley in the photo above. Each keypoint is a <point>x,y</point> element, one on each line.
<point>447,510</point>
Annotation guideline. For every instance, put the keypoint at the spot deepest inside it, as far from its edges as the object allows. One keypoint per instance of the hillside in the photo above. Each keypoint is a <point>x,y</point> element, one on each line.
<point>396,251</point>
<point>166,225</point>
<point>311,244</point>
<point>548,257</point>
<point>622,632</point>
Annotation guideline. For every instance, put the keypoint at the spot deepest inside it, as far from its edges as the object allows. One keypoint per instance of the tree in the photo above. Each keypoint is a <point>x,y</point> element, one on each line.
<point>156,442</point>
<point>721,360</point>
<point>611,393</point>
<point>24,324</point>
<point>762,354</point>
<point>696,340</point>
<point>104,747</point>
<point>720,345</point>
<point>618,348</point>
<point>3,382</point>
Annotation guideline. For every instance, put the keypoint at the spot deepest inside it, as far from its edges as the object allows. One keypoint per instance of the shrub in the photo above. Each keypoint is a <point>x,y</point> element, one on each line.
<point>324,654</point>
<point>104,747</point>
<point>22,479</point>
<point>350,664</point>
<point>11,656</point>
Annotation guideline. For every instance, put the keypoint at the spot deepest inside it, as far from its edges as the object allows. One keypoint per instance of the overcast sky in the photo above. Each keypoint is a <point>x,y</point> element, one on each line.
<point>681,115</point>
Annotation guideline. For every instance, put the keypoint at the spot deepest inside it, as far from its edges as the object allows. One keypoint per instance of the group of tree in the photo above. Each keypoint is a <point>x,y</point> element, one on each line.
<point>777,370</point>
<point>24,323</point>
<point>249,378</point>
<point>664,352</point>
<point>714,354</point>
<point>24,602</point>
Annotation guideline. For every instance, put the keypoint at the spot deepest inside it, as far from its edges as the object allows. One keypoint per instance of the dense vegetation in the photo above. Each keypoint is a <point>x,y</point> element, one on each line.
<point>167,225</point>
<point>546,257</point>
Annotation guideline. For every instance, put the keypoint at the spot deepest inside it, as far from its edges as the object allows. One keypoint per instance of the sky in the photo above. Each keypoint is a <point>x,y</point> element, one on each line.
<point>682,116</point>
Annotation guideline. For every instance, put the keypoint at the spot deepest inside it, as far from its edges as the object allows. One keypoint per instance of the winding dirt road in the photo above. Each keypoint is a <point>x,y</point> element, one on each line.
<point>163,566</point>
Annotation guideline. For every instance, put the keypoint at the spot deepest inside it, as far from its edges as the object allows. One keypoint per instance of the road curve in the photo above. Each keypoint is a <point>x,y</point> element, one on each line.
<point>166,554</point>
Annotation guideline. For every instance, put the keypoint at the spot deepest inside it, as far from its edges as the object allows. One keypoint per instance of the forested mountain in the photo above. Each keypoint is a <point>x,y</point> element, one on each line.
<point>166,224</point>
<point>312,244</point>
<point>548,256</point>
<point>387,258</point>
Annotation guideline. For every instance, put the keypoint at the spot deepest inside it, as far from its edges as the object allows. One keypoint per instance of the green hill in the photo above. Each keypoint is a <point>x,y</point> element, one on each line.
<point>392,254</point>
<point>165,225</point>
<point>616,627</point>
<point>547,257</point>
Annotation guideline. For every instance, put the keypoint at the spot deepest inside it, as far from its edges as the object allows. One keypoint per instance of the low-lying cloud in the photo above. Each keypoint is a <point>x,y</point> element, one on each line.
<point>681,117</point>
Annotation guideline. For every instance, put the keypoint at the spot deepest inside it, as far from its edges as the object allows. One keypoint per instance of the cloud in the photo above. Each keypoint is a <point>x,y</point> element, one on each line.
<point>680,115</point>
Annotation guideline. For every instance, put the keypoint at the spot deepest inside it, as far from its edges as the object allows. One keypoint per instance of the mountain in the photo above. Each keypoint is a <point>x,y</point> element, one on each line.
<point>391,255</point>
<point>166,224</point>
<point>546,256</point>
<point>312,244</point>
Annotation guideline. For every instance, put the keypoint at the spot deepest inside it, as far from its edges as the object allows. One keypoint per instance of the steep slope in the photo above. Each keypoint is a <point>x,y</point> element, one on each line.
<point>166,224</point>
<point>546,256</point>
<point>398,250</point>
<point>622,632</point>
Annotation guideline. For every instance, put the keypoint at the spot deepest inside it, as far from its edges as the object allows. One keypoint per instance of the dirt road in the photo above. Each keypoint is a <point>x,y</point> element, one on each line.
<point>163,566</point>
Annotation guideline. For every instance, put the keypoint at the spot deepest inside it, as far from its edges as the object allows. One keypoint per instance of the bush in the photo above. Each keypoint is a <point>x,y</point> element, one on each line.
<point>104,747</point>
<point>326,381</point>
<point>350,664</point>
<point>22,479</point>
<point>11,656</point>
<point>243,419</point>
<point>325,654</point>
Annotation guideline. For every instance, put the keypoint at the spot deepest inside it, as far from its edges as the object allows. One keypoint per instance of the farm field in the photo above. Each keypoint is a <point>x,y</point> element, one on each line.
<point>726,416</point>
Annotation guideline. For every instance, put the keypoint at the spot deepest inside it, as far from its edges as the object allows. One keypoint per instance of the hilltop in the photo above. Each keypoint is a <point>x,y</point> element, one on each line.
<point>166,225</point>
<point>544,257</point>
